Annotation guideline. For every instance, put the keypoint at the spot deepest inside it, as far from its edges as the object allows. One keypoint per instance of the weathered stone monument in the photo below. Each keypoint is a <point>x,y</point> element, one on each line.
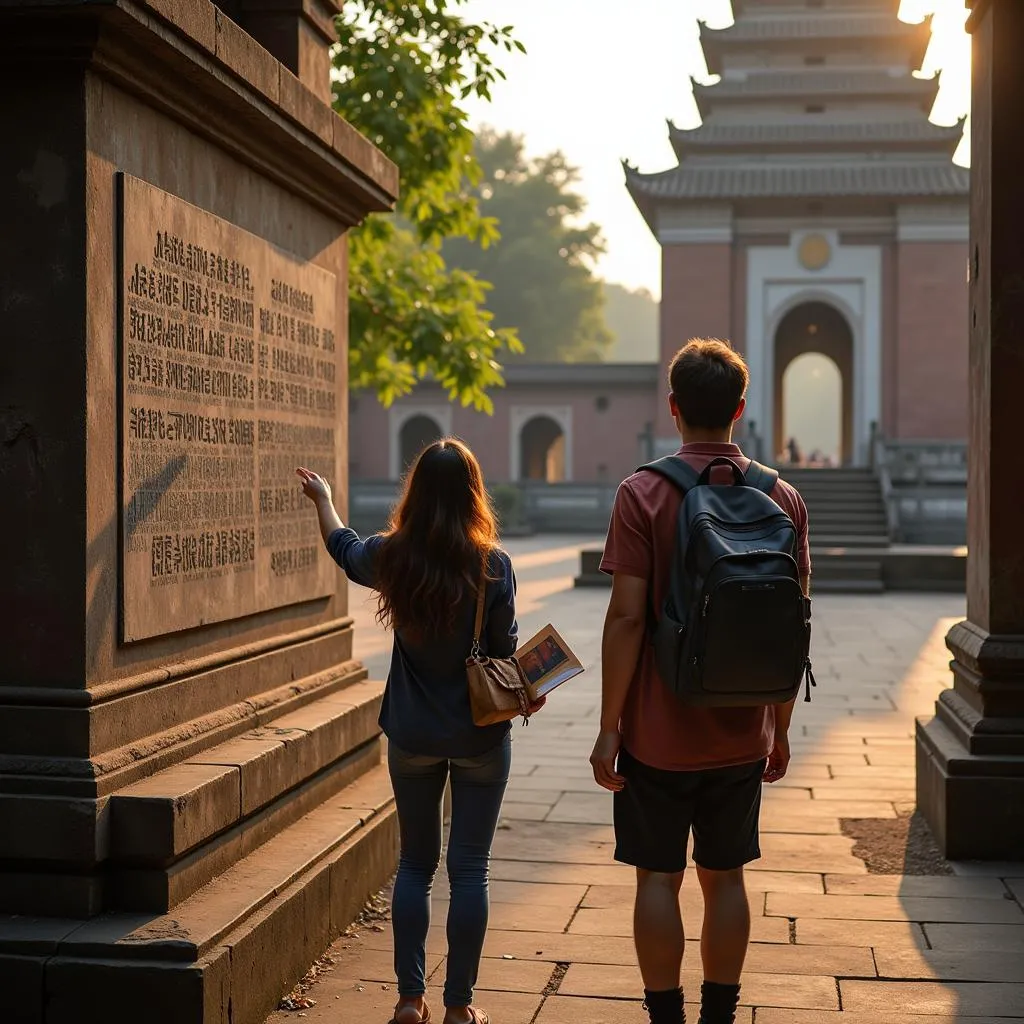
<point>970,756</point>
<point>192,801</point>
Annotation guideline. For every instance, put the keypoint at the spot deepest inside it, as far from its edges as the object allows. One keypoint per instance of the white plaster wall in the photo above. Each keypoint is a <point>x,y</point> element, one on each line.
<point>852,283</point>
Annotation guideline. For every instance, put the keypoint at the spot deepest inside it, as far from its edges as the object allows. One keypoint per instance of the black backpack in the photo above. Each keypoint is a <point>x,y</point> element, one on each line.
<point>735,627</point>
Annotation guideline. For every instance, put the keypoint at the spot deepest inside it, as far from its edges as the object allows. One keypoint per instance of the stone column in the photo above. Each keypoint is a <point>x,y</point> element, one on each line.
<point>970,756</point>
<point>192,798</point>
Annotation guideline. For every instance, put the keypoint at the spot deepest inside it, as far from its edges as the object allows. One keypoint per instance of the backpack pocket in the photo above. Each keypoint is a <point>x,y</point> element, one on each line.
<point>753,641</point>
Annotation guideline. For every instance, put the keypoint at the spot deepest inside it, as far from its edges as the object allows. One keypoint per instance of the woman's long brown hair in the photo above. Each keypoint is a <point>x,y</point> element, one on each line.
<point>437,544</point>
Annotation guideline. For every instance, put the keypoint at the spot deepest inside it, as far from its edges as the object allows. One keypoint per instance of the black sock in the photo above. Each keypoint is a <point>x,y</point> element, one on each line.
<point>718,1003</point>
<point>665,1007</point>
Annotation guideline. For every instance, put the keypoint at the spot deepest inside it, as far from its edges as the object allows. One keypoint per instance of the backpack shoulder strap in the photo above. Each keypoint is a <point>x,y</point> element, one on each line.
<point>673,468</point>
<point>761,477</point>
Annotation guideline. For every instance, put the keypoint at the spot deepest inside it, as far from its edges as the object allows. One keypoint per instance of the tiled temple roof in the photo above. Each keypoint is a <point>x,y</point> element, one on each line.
<point>807,28</point>
<point>808,136</point>
<point>809,181</point>
<point>772,86</point>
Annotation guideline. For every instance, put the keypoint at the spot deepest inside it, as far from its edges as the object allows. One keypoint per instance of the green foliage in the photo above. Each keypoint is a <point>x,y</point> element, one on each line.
<point>632,317</point>
<point>510,506</point>
<point>542,268</point>
<point>402,69</point>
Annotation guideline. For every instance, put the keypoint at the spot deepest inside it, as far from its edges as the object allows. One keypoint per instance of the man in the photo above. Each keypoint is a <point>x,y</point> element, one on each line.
<point>675,768</point>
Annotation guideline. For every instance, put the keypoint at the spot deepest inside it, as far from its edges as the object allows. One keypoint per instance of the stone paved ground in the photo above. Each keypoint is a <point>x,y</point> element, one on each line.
<point>831,943</point>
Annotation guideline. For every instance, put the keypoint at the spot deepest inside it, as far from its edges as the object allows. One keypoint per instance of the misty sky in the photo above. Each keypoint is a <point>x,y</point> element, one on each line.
<point>601,77</point>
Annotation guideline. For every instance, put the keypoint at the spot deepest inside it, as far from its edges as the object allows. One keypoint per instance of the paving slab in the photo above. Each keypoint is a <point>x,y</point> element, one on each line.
<point>561,1009</point>
<point>538,871</point>
<point>975,936</point>
<point>950,965</point>
<point>894,908</point>
<point>894,934</point>
<point>513,810</point>
<point>619,921</point>
<point>945,887</point>
<point>536,893</point>
<point>347,1003</point>
<point>923,997</point>
<point>833,936</point>
<point>515,917</point>
<point>500,975</point>
<point>809,991</point>
<point>769,1015</point>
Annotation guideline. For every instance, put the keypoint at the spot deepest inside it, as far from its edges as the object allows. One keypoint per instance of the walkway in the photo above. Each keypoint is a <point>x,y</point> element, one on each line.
<point>827,935</point>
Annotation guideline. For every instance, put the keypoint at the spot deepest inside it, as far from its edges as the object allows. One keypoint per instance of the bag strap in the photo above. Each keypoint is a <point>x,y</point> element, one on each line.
<point>673,468</point>
<point>478,627</point>
<point>761,477</point>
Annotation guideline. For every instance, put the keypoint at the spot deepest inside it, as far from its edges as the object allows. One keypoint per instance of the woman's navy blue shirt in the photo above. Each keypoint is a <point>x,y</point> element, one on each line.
<point>426,702</point>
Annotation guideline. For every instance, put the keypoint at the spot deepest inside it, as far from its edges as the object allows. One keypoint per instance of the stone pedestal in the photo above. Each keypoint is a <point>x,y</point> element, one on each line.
<point>192,800</point>
<point>298,33</point>
<point>970,757</point>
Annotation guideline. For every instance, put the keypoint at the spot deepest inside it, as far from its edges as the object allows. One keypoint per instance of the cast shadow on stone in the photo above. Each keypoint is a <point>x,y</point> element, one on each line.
<point>103,560</point>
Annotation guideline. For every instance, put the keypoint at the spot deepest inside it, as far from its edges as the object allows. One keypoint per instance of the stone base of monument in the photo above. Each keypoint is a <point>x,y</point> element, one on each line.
<point>193,802</point>
<point>234,870</point>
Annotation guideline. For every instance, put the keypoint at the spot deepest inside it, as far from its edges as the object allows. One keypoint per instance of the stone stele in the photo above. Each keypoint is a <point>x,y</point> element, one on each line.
<point>192,799</point>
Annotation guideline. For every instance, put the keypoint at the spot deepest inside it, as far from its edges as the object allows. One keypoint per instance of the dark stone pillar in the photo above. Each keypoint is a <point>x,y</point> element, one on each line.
<point>297,32</point>
<point>970,756</point>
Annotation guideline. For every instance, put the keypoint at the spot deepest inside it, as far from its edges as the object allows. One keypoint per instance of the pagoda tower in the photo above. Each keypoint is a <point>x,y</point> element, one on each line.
<point>817,209</point>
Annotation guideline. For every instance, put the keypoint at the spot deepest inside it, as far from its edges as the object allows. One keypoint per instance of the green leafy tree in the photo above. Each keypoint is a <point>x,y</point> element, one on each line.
<point>402,71</point>
<point>632,317</point>
<point>542,267</point>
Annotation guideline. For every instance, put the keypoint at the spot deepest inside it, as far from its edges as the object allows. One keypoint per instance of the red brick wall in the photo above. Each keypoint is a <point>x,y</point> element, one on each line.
<point>696,301</point>
<point>931,333</point>
<point>605,443</point>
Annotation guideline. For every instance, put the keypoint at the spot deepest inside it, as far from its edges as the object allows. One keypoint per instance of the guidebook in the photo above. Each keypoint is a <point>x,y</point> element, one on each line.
<point>547,661</point>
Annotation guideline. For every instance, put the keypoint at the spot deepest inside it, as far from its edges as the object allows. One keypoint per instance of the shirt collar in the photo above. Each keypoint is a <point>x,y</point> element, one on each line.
<point>710,448</point>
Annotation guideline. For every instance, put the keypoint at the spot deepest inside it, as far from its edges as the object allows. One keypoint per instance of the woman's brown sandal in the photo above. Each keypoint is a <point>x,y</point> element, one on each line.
<point>425,1019</point>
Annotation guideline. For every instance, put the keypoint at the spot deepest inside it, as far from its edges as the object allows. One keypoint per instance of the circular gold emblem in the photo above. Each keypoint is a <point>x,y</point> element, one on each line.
<point>815,252</point>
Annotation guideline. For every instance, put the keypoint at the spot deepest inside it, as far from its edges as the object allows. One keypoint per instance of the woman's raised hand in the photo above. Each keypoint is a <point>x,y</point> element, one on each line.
<point>314,486</point>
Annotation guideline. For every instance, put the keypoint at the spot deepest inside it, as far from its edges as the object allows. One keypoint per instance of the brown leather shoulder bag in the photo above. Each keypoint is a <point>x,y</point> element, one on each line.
<point>498,689</point>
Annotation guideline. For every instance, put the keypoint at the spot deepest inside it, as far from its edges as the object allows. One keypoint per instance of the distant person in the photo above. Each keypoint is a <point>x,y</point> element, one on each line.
<point>425,569</point>
<point>675,767</point>
<point>793,452</point>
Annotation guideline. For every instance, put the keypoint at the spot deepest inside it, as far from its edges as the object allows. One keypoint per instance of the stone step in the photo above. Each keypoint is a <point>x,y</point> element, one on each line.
<point>846,528</point>
<point>837,522</point>
<point>228,953</point>
<point>838,541</point>
<point>847,574</point>
<point>173,832</point>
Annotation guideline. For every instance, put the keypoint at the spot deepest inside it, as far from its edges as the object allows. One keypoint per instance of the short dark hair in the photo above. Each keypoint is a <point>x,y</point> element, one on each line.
<point>708,378</point>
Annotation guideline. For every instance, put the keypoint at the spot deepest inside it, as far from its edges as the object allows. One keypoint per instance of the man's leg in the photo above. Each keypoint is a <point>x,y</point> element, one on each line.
<point>652,824</point>
<point>725,837</point>
<point>726,932</point>
<point>658,929</point>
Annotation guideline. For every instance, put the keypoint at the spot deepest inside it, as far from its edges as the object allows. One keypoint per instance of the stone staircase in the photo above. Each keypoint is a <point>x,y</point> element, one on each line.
<point>849,527</point>
<point>849,532</point>
<point>229,871</point>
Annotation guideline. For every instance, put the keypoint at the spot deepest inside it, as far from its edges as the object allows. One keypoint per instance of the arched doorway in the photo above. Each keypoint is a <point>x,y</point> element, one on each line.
<point>812,407</point>
<point>542,450</point>
<point>814,402</point>
<point>417,432</point>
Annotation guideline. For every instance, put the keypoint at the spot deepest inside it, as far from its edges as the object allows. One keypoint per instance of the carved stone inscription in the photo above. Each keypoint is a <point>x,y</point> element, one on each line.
<point>229,381</point>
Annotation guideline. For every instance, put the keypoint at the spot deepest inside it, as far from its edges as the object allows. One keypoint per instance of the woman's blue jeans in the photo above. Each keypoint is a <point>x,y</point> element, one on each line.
<point>478,786</point>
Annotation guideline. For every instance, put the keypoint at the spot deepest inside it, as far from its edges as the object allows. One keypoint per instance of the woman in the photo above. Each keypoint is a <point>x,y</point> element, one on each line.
<point>441,542</point>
